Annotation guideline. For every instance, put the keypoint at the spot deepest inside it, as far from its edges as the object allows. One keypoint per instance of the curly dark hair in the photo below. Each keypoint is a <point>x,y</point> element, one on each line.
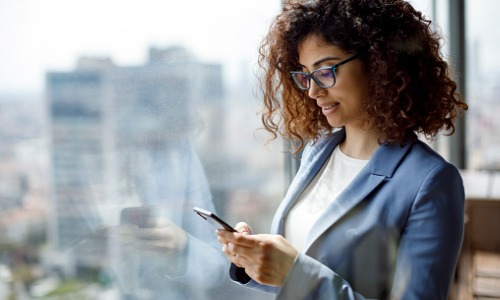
<point>409,81</point>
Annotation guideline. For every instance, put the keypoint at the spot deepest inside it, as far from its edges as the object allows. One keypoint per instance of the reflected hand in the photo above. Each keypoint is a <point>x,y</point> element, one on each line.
<point>161,237</point>
<point>266,258</point>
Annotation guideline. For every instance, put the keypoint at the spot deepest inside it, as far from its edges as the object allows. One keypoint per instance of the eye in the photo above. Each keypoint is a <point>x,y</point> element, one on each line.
<point>325,74</point>
<point>302,78</point>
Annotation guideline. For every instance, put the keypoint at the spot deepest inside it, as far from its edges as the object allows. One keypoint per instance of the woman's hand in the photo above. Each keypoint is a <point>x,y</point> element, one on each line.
<point>160,241</point>
<point>266,258</point>
<point>161,237</point>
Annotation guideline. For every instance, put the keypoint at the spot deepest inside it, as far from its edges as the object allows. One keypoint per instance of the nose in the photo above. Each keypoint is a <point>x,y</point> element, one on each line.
<point>315,90</point>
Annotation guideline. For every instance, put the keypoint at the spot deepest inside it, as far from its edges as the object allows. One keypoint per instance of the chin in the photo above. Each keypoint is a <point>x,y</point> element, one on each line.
<point>335,124</point>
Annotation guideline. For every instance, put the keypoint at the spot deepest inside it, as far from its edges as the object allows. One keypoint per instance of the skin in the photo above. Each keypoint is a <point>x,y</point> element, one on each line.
<point>268,258</point>
<point>162,238</point>
<point>342,104</point>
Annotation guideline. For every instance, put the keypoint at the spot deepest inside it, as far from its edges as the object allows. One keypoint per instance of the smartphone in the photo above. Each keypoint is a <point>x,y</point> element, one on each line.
<point>138,216</point>
<point>213,219</point>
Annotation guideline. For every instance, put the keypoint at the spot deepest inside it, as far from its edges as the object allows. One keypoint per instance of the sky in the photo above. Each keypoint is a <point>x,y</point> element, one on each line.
<point>37,36</point>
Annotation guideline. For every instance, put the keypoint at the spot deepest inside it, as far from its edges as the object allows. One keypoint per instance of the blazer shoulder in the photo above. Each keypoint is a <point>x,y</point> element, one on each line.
<point>425,154</point>
<point>422,159</point>
<point>410,157</point>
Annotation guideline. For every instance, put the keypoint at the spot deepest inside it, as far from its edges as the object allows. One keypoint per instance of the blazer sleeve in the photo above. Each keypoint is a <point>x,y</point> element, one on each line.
<point>431,240</point>
<point>427,254</point>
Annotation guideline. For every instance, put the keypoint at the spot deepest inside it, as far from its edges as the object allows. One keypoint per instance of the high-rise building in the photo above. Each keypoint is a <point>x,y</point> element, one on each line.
<point>100,113</point>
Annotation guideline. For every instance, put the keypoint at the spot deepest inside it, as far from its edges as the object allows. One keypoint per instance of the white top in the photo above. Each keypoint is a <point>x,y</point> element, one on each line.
<point>331,180</point>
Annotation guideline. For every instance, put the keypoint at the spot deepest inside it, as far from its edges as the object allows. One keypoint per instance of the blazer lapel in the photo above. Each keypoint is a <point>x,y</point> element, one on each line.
<point>310,166</point>
<point>381,166</point>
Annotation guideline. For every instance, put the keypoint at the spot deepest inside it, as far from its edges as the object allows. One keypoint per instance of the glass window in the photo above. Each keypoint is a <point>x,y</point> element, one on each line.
<point>122,115</point>
<point>483,85</point>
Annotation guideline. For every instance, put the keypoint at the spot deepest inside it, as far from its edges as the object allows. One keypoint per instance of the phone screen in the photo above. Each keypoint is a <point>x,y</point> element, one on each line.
<point>213,219</point>
<point>139,216</point>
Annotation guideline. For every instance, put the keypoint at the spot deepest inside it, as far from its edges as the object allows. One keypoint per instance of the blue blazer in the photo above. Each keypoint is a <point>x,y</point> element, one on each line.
<point>395,232</point>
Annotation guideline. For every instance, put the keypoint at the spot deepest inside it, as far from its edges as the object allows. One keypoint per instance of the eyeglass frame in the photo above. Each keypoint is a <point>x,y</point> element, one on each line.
<point>310,76</point>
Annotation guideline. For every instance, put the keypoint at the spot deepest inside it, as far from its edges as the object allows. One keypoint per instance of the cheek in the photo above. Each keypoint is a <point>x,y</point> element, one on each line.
<point>360,92</point>
<point>359,80</point>
<point>352,95</point>
<point>363,85</point>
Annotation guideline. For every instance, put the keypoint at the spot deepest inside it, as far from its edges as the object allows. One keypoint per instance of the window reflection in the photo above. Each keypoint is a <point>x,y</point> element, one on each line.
<point>122,140</point>
<point>174,132</point>
<point>125,140</point>
<point>114,136</point>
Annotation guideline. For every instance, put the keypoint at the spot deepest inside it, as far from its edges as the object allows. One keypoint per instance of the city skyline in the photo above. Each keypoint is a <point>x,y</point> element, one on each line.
<point>225,32</point>
<point>105,121</point>
<point>49,37</point>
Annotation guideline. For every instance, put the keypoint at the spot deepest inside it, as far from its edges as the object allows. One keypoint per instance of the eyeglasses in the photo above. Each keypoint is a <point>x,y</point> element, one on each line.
<point>324,77</point>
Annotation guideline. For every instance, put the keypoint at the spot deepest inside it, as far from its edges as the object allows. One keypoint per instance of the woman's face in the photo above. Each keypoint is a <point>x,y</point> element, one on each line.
<point>341,104</point>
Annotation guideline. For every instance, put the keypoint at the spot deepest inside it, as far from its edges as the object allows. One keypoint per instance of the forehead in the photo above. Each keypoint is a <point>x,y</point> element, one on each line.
<point>314,48</point>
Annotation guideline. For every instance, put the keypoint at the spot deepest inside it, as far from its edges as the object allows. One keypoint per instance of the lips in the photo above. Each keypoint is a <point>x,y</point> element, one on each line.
<point>329,107</point>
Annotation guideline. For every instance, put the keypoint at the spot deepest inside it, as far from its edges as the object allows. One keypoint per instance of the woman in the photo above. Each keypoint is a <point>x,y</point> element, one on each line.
<point>372,212</point>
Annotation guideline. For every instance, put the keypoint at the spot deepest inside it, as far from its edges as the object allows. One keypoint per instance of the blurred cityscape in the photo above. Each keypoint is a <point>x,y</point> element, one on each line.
<point>64,154</point>
<point>55,146</point>
<point>483,123</point>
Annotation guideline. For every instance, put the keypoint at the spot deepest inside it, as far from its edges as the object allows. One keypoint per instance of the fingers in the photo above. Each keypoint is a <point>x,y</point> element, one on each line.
<point>163,239</point>
<point>237,245</point>
<point>224,235</point>
<point>243,228</point>
<point>152,233</point>
<point>240,239</point>
<point>266,258</point>
<point>236,254</point>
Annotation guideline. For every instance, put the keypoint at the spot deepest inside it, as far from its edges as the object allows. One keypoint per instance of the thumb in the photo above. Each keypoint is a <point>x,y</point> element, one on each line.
<point>243,228</point>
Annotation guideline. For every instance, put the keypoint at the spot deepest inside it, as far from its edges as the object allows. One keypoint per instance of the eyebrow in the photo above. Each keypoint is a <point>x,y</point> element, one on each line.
<point>319,62</point>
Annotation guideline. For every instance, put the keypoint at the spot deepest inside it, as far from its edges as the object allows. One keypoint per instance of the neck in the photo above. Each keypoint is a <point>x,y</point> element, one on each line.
<point>360,143</point>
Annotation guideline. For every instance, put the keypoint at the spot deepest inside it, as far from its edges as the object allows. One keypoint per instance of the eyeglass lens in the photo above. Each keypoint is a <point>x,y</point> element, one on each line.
<point>323,77</point>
